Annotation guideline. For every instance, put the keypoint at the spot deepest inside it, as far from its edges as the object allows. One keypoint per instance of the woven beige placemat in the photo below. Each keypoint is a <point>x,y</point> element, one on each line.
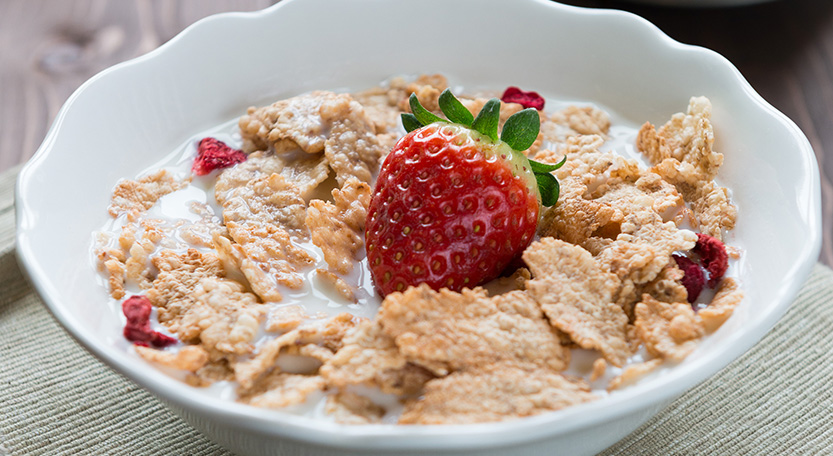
<point>56,399</point>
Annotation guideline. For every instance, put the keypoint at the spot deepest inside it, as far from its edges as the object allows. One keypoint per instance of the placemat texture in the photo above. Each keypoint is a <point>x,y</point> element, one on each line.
<point>56,399</point>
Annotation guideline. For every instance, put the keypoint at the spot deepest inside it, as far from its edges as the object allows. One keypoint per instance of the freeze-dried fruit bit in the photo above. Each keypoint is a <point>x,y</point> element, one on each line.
<point>693,277</point>
<point>214,154</point>
<point>713,257</point>
<point>523,98</point>
<point>137,329</point>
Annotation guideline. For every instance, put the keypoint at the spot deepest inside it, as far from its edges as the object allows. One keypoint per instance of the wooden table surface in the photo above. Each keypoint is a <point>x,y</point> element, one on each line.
<point>49,47</point>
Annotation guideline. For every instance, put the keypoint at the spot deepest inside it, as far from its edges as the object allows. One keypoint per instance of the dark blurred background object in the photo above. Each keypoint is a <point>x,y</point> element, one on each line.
<point>48,48</point>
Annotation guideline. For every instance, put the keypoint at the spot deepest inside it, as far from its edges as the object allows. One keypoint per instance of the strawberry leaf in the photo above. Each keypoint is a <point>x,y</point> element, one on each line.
<point>454,110</point>
<point>548,187</point>
<point>521,129</point>
<point>423,115</point>
<point>410,122</point>
<point>487,119</point>
<point>538,167</point>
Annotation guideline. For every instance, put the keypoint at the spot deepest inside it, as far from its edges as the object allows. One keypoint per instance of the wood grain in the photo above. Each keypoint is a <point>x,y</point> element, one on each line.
<point>48,48</point>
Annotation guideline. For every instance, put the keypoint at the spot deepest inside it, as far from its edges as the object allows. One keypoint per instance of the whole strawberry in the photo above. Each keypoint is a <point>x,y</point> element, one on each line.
<point>454,203</point>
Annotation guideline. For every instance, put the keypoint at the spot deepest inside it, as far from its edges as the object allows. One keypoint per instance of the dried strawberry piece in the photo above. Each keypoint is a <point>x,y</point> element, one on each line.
<point>693,277</point>
<point>137,329</point>
<point>713,257</point>
<point>215,154</point>
<point>525,99</point>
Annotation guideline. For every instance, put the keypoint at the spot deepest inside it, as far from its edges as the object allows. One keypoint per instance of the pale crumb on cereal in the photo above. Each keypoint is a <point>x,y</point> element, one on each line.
<point>666,287</point>
<point>649,192</point>
<point>634,372</point>
<point>668,330</point>
<point>350,408</point>
<point>576,219</point>
<point>328,335</point>
<point>266,256</point>
<point>314,351</point>
<point>304,173</point>
<point>213,371</point>
<point>578,297</point>
<point>641,251</point>
<point>517,280</point>
<point>221,316</point>
<point>687,138</point>
<point>266,200</point>
<point>137,265</point>
<point>179,274</point>
<point>189,358</point>
<point>279,390</point>
<point>584,120</point>
<point>285,318</point>
<point>570,122</point>
<point>336,283</point>
<point>115,277</point>
<point>714,210</point>
<point>427,88</point>
<point>728,296</point>
<point>370,357</point>
<point>683,155</point>
<point>287,124</point>
<point>201,233</point>
<point>380,107</point>
<point>352,149</point>
<point>494,392</point>
<point>458,330</point>
<point>134,197</point>
<point>337,228</point>
<point>599,368</point>
<point>733,252</point>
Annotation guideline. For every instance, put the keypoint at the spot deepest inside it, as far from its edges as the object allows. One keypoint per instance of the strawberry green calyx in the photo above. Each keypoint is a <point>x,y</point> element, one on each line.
<point>519,132</point>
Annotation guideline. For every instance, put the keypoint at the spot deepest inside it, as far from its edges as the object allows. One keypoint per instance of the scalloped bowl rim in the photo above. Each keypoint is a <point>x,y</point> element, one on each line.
<point>277,423</point>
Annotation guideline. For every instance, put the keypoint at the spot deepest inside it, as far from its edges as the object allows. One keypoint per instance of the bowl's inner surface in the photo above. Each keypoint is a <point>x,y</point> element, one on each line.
<point>131,117</point>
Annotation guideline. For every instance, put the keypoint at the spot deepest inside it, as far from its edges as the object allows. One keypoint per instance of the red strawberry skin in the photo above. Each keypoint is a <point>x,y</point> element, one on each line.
<point>448,210</point>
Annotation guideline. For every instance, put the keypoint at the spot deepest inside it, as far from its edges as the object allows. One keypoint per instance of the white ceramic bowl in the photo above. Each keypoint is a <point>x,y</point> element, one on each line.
<point>132,115</point>
<point>702,3</point>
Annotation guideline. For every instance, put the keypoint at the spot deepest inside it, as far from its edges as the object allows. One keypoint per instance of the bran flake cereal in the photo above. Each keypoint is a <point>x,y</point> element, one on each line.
<point>242,277</point>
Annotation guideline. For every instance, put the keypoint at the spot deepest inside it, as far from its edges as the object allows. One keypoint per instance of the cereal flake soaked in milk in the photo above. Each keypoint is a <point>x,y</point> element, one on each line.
<point>260,269</point>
